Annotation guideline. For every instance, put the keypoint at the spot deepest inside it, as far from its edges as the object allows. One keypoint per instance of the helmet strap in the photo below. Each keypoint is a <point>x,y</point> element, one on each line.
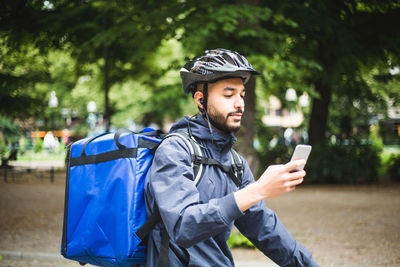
<point>203,110</point>
<point>204,101</point>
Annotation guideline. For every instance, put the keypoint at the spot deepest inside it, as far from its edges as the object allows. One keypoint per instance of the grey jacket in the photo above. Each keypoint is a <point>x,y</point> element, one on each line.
<point>201,218</point>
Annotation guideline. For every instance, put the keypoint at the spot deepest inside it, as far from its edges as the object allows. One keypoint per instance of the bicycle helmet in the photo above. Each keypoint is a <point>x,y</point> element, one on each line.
<point>215,65</point>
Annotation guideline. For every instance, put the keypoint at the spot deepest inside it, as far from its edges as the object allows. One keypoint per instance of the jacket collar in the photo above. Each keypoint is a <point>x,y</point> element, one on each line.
<point>200,131</point>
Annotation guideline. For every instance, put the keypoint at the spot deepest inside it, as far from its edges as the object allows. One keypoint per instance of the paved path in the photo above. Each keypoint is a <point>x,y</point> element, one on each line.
<point>19,258</point>
<point>340,225</point>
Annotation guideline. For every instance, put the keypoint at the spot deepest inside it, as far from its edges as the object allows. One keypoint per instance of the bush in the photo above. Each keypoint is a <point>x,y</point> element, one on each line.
<point>3,147</point>
<point>9,135</point>
<point>394,168</point>
<point>237,240</point>
<point>38,145</point>
<point>351,163</point>
<point>347,163</point>
<point>280,154</point>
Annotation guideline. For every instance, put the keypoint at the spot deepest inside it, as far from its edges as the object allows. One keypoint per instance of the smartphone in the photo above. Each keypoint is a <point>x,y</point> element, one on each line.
<point>301,152</point>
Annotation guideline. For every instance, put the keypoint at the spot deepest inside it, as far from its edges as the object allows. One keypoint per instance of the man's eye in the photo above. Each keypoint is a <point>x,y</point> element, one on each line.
<point>228,96</point>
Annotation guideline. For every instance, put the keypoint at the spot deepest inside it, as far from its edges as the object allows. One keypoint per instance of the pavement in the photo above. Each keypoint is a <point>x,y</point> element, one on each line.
<point>342,225</point>
<point>20,258</point>
<point>19,184</point>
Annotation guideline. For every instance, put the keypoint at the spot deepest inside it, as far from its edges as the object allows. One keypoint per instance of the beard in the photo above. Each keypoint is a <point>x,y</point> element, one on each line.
<point>220,120</point>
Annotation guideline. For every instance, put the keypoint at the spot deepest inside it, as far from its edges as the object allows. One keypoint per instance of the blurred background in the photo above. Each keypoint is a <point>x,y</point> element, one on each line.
<point>329,77</point>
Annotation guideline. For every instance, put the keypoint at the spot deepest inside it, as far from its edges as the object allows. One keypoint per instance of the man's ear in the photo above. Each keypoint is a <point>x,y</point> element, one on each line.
<point>198,98</point>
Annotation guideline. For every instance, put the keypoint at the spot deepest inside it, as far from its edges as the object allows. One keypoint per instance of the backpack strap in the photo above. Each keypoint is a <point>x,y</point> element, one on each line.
<point>237,167</point>
<point>145,229</point>
<point>235,171</point>
<point>195,153</point>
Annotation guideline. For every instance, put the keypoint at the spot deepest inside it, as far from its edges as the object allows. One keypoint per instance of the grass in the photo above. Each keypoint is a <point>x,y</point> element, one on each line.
<point>237,240</point>
<point>44,155</point>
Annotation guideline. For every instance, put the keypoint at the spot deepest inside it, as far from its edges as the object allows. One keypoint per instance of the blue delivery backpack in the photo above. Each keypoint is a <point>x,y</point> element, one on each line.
<point>105,220</point>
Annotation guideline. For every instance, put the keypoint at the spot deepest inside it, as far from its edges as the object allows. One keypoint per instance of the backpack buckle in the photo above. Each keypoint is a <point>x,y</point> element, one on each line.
<point>237,169</point>
<point>197,160</point>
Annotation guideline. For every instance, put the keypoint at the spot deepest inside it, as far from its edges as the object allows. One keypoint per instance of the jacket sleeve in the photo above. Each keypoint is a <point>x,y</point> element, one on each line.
<point>263,228</point>
<point>170,183</point>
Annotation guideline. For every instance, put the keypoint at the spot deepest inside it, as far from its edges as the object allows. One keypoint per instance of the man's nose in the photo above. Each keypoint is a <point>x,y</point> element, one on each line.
<point>239,102</point>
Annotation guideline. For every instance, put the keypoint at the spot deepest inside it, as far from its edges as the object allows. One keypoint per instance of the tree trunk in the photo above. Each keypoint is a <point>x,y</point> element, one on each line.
<point>106,86</point>
<point>319,114</point>
<point>247,131</point>
<point>106,81</point>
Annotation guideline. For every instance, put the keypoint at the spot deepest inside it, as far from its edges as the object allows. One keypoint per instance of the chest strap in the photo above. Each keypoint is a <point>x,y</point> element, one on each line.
<point>235,170</point>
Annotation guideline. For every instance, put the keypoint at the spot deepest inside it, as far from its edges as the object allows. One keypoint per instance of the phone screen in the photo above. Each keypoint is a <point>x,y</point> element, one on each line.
<point>301,152</point>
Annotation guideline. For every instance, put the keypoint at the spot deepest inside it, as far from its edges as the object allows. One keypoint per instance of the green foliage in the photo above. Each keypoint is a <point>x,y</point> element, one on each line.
<point>3,147</point>
<point>157,97</point>
<point>38,147</point>
<point>342,39</point>
<point>9,134</point>
<point>248,28</point>
<point>362,99</point>
<point>237,240</point>
<point>80,49</point>
<point>81,130</point>
<point>279,73</point>
<point>394,168</point>
<point>9,129</point>
<point>389,163</point>
<point>352,162</point>
<point>280,154</point>
<point>43,155</point>
<point>114,37</point>
<point>376,140</point>
<point>349,161</point>
<point>23,146</point>
<point>20,70</point>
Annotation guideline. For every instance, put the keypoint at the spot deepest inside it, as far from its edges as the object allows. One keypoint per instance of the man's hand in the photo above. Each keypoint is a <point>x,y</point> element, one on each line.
<point>275,181</point>
<point>279,179</point>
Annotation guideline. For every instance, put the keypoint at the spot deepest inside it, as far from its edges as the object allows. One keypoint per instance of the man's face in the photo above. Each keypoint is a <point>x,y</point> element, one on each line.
<point>226,104</point>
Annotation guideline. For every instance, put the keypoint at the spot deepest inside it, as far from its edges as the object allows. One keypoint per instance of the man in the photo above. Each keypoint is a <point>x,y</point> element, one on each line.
<point>198,219</point>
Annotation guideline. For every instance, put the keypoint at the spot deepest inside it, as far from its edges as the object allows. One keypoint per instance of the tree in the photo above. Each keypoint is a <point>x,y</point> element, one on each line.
<point>158,94</point>
<point>19,72</point>
<point>9,134</point>
<point>325,48</point>
<point>116,35</point>
<point>235,25</point>
<point>341,37</point>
